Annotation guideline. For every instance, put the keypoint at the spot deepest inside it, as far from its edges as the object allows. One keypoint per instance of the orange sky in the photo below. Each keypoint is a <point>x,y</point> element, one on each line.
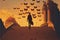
<point>6,10</point>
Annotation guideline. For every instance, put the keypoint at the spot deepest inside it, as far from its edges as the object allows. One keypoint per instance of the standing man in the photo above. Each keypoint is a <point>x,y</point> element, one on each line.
<point>30,22</point>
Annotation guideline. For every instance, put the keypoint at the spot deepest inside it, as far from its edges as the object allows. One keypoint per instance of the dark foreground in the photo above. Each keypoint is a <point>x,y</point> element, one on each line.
<point>42,33</point>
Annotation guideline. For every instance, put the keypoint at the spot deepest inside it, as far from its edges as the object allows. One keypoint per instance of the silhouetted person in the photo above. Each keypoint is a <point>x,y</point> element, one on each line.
<point>54,14</point>
<point>2,28</point>
<point>30,22</point>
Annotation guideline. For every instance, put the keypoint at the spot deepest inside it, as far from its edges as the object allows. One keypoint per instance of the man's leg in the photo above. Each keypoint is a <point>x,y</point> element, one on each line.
<point>29,26</point>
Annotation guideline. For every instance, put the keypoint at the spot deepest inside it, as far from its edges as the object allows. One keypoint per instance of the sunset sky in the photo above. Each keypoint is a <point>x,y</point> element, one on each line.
<point>7,9</point>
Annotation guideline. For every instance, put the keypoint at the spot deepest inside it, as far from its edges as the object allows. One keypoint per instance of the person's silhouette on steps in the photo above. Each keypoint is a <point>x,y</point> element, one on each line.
<point>30,22</point>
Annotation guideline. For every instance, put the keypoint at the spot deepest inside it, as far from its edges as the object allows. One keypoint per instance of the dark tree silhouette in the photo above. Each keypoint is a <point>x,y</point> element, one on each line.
<point>45,9</point>
<point>54,15</point>
<point>2,28</point>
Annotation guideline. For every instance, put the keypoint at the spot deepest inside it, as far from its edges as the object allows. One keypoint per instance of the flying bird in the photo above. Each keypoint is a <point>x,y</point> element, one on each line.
<point>38,13</point>
<point>38,1</point>
<point>35,6</point>
<point>32,9</point>
<point>25,3</point>
<point>38,9</point>
<point>25,9</point>
<point>33,0</point>
<point>32,3</point>
<point>3,0</point>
